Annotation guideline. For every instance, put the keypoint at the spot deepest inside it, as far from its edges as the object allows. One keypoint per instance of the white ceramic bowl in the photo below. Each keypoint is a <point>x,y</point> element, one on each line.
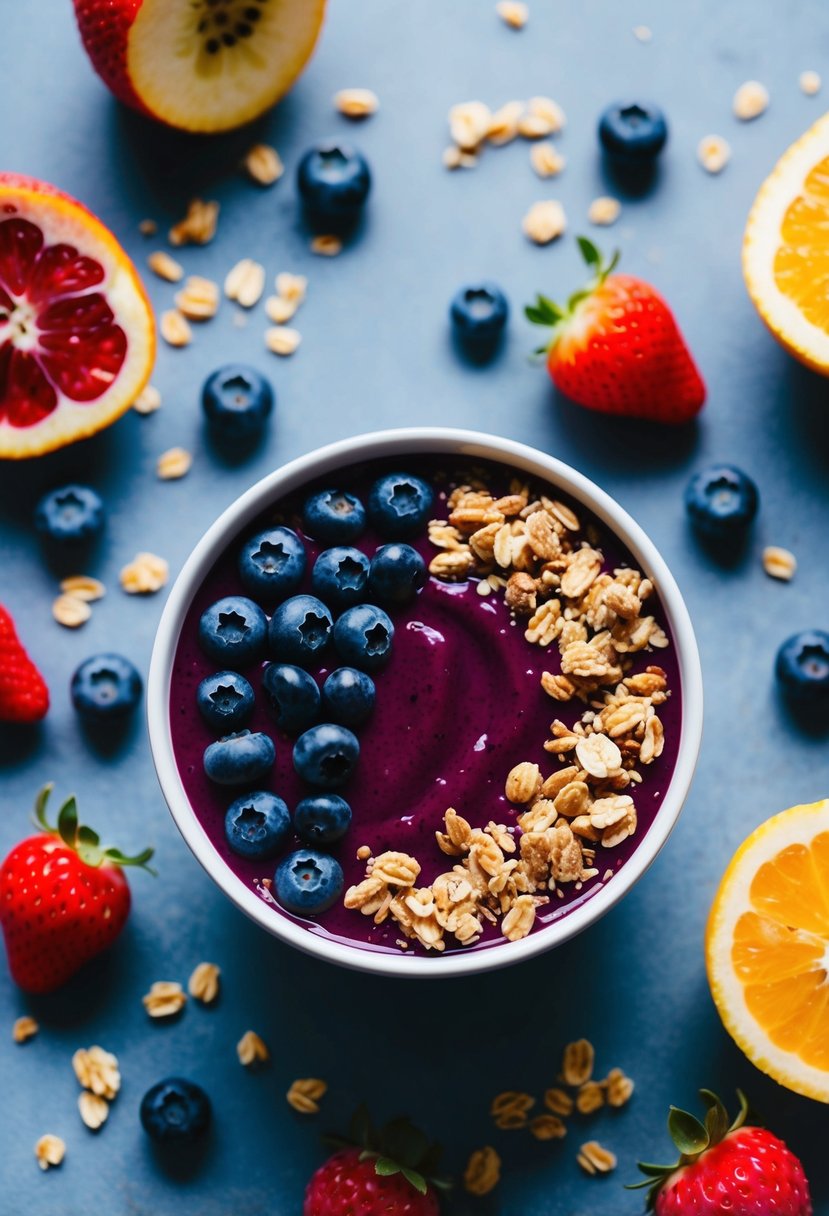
<point>402,443</point>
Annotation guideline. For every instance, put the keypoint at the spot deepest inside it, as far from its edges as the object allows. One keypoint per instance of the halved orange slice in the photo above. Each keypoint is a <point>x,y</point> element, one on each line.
<point>786,249</point>
<point>77,337</point>
<point>767,949</point>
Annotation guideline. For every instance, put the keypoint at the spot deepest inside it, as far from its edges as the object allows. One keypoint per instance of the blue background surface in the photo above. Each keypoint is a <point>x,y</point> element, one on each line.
<point>376,353</point>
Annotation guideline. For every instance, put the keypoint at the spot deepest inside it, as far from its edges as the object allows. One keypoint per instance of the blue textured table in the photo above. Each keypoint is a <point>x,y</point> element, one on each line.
<point>376,353</point>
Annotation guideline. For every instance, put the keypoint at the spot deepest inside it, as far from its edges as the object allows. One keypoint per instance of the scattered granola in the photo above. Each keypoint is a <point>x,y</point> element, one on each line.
<point>810,83</point>
<point>305,1095</point>
<point>263,164</point>
<point>558,1101</point>
<point>293,287</point>
<point>282,340</point>
<point>513,13</point>
<point>251,1049</point>
<point>174,328</point>
<point>204,983</point>
<point>173,464</point>
<point>326,245</point>
<point>24,1028</point>
<point>619,1088</point>
<point>469,123</point>
<point>198,300</point>
<point>547,1127</point>
<point>50,1150</point>
<point>546,160</point>
<point>147,401</point>
<point>279,310</point>
<point>245,282</point>
<point>198,226</point>
<point>545,221</point>
<point>642,33</point>
<point>713,153</point>
<point>483,1171</point>
<point>751,100</point>
<point>510,1110</point>
<point>594,1159</point>
<point>779,563</point>
<point>165,266</point>
<point>577,1063</point>
<point>71,611</point>
<point>590,1097</point>
<point>145,574</point>
<point>94,1110</point>
<point>503,125</point>
<point>97,1070</point>
<point>604,211</point>
<point>148,227</point>
<point>165,999</point>
<point>356,103</point>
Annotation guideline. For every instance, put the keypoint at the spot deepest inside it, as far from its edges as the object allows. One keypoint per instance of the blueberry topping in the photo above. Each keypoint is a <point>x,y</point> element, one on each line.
<point>292,696</point>
<point>333,182</point>
<point>348,696</point>
<point>308,882</point>
<point>363,637</point>
<point>399,505</point>
<point>71,515</point>
<point>479,315</point>
<point>397,573</point>
<point>340,576</point>
<point>234,629</point>
<point>239,759</point>
<point>326,755</point>
<point>175,1110</point>
<point>322,819</point>
<point>272,563</point>
<point>721,501</point>
<point>802,665</point>
<point>334,516</point>
<point>105,686</point>
<point>237,401</point>
<point>225,700</point>
<point>633,133</point>
<point>257,825</point>
<point>300,630</point>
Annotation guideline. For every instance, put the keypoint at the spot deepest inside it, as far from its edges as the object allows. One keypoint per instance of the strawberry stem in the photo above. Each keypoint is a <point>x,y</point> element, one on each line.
<point>544,311</point>
<point>82,839</point>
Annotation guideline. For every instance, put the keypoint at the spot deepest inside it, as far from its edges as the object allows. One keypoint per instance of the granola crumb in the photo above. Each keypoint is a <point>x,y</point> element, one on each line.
<point>779,563</point>
<point>483,1171</point>
<point>148,227</point>
<point>145,574</point>
<point>513,13</point>
<point>503,126</point>
<point>305,1095</point>
<point>469,122</point>
<point>245,282</point>
<point>147,401</point>
<point>642,33</point>
<point>198,299</point>
<point>293,287</point>
<point>282,340</point>
<point>24,1028</point>
<point>93,1109</point>
<point>50,1151</point>
<point>356,103</point>
<point>97,1070</point>
<point>198,226</point>
<point>251,1049</point>
<point>174,328</point>
<point>619,1088</point>
<point>810,83</point>
<point>751,100</point>
<point>363,853</point>
<point>165,999</point>
<point>263,165</point>
<point>173,464</point>
<point>451,157</point>
<point>548,1127</point>
<point>545,222</point>
<point>83,587</point>
<point>577,1064</point>
<point>713,153</point>
<point>546,160</point>
<point>166,267</point>
<point>326,245</point>
<point>604,211</point>
<point>594,1159</point>
<point>203,984</point>
<point>279,310</point>
<point>71,611</point>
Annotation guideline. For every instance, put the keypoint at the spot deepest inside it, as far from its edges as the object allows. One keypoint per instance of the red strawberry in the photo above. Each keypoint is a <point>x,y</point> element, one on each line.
<point>63,899</point>
<point>740,1170</point>
<point>386,1180</point>
<point>24,696</point>
<point>616,347</point>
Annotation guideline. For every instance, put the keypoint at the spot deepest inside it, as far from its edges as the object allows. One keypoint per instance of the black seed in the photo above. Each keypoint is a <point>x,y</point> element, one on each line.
<point>243,29</point>
<point>212,46</point>
<point>252,14</point>
<point>202,26</point>
<point>228,39</point>
<point>221,18</point>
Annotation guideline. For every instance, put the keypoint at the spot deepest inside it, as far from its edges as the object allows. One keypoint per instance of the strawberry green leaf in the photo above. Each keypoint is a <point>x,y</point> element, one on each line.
<point>68,822</point>
<point>403,1142</point>
<point>716,1118</point>
<point>653,1171</point>
<point>40,806</point>
<point>687,1133</point>
<point>416,1180</point>
<point>612,264</point>
<point>140,859</point>
<point>589,252</point>
<point>361,1131</point>
<point>385,1167</point>
<point>743,1113</point>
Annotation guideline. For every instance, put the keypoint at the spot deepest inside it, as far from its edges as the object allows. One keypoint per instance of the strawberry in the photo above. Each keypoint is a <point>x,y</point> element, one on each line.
<point>616,347</point>
<point>738,1169</point>
<point>24,696</point>
<point>383,1174</point>
<point>63,898</point>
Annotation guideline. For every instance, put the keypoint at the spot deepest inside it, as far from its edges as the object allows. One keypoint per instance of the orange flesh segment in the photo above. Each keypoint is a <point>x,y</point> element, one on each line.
<point>781,947</point>
<point>801,264</point>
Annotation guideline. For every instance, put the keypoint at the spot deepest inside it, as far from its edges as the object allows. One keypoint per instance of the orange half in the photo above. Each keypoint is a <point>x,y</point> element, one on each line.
<point>77,337</point>
<point>767,949</point>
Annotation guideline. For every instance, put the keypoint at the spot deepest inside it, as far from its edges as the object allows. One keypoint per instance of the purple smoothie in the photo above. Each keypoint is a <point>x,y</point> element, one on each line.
<point>458,705</point>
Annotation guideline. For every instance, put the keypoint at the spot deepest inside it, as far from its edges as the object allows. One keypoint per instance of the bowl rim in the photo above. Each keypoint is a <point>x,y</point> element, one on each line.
<point>409,441</point>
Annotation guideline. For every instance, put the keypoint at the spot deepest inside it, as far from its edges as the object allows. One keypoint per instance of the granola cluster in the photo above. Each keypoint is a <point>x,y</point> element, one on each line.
<point>535,551</point>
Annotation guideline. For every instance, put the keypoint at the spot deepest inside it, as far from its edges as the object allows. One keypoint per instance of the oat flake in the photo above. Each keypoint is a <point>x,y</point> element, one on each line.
<point>513,13</point>
<point>71,611</point>
<point>174,328</point>
<point>198,226</point>
<point>147,401</point>
<point>245,282</point>
<point>50,1150</point>
<point>604,211</point>
<point>173,464</point>
<point>779,563</point>
<point>810,83</point>
<point>545,222</point>
<point>204,983</point>
<point>165,999</point>
<point>751,100</point>
<point>327,245</point>
<point>165,266</point>
<point>198,300</point>
<point>356,103</point>
<point>546,160</point>
<point>145,574</point>
<point>483,1171</point>
<point>263,164</point>
<point>293,287</point>
<point>251,1049</point>
<point>93,1110</point>
<point>305,1094</point>
<point>281,340</point>
<point>83,587</point>
<point>713,153</point>
<point>24,1028</point>
<point>279,310</point>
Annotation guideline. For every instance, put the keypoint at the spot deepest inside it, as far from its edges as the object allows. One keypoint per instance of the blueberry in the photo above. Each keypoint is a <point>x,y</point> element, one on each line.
<point>479,315</point>
<point>234,630</point>
<point>225,700</point>
<point>175,1110</point>
<point>326,755</point>
<point>363,637</point>
<point>340,576</point>
<point>333,182</point>
<point>272,563</point>
<point>239,759</point>
<point>333,516</point>
<point>257,825</point>
<point>71,515</point>
<point>802,665</point>
<point>397,573</point>
<point>308,882</point>
<point>323,819</point>
<point>348,696</point>
<point>292,696</point>
<point>399,505</point>
<point>105,686</point>
<point>300,630</point>
<point>721,501</point>
<point>237,400</point>
<point>633,133</point>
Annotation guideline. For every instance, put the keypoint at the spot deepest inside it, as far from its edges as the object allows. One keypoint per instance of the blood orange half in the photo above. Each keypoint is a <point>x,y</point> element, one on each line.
<point>77,338</point>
